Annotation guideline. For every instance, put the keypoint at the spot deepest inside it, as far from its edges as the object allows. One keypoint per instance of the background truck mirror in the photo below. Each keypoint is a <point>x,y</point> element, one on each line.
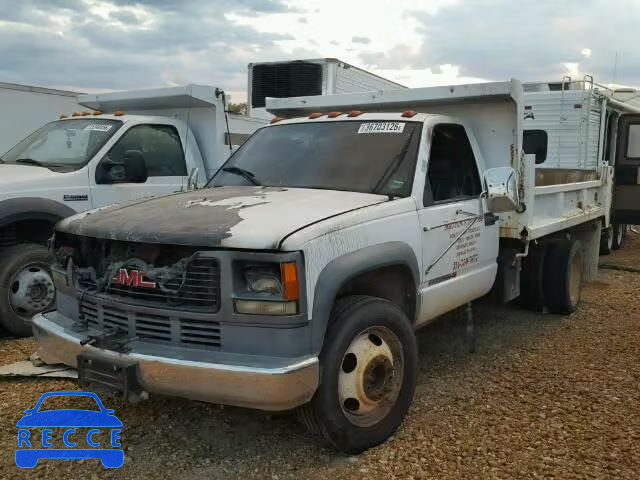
<point>502,190</point>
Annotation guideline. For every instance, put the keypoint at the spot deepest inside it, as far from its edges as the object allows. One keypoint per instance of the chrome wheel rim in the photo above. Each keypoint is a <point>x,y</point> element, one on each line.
<point>31,290</point>
<point>370,376</point>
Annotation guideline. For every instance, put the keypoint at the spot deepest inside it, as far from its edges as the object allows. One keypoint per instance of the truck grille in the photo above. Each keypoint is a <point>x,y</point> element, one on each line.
<point>200,289</point>
<point>170,329</point>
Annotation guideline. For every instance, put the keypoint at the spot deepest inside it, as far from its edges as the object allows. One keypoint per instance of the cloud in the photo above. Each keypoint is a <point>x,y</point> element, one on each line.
<point>531,40</point>
<point>126,45</point>
<point>364,40</point>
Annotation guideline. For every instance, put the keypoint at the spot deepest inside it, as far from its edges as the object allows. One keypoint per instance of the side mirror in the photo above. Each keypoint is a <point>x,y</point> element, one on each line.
<point>502,190</point>
<point>131,169</point>
<point>135,166</point>
<point>192,180</point>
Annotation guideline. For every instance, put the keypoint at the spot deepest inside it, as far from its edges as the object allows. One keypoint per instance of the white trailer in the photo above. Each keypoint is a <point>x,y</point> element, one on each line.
<point>128,145</point>
<point>25,108</point>
<point>318,76</point>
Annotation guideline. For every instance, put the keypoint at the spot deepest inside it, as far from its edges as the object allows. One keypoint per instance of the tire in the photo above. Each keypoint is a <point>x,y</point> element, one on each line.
<point>563,276</point>
<point>378,331</point>
<point>618,236</point>
<point>26,287</point>
<point>532,278</point>
<point>606,242</point>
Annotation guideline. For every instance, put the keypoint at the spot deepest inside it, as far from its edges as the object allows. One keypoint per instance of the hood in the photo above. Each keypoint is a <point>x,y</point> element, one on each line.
<point>235,217</point>
<point>10,174</point>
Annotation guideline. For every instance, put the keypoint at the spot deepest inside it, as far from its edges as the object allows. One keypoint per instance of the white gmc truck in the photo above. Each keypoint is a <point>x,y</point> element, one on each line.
<point>297,277</point>
<point>127,145</point>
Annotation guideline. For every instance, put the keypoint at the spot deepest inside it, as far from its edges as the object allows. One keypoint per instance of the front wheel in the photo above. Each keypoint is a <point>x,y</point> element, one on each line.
<point>26,287</point>
<point>368,374</point>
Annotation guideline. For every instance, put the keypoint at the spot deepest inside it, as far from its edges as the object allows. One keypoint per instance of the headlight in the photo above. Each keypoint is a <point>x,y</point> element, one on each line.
<point>267,288</point>
<point>263,279</point>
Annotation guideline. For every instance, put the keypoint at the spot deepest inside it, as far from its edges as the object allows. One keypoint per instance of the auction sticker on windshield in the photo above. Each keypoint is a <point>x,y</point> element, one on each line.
<point>98,127</point>
<point>381,127</point>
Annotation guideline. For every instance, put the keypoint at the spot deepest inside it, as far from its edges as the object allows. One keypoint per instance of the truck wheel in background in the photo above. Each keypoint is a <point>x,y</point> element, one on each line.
<point>26,287</point>
<point>368,367</point>
<point>563,276</point>
<point>618,236</point>
<point>532,278</point>
<point>606,242</point>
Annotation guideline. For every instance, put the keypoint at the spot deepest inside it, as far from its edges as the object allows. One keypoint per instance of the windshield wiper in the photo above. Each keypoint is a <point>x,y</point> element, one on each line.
<point>394,165</point>
<point>246,174</point>
<point>31,161</point>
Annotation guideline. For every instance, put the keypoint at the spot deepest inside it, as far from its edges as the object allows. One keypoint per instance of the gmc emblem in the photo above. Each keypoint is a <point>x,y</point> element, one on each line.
<point>133,278</point>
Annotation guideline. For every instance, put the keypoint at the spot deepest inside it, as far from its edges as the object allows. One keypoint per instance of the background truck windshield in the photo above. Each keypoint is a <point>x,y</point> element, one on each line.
<point>358,156</point>
<point>63,145</point>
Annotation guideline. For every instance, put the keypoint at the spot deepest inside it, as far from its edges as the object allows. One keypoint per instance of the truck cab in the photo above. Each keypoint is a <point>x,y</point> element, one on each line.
<point>167,140</point>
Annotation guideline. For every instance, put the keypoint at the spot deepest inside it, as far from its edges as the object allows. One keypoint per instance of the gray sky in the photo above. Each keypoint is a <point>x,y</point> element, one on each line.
<point>93,45</point>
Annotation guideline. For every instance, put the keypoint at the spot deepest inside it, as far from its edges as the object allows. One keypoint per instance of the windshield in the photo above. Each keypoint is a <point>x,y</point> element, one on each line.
<point>359,156</point>
<point>63,145</point>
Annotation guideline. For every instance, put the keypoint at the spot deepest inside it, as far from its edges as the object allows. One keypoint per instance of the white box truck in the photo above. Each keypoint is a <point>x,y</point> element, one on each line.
<point>297,277</point>
<point>318,76</point>
<point>24,108</point>
<point>130,145</point>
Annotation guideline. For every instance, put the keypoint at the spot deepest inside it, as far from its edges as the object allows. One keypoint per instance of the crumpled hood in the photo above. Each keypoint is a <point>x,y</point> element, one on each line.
<point>235,217</point>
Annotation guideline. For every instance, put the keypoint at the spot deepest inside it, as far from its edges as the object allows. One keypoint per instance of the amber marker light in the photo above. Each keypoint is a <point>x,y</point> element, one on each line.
<point>290,283</point>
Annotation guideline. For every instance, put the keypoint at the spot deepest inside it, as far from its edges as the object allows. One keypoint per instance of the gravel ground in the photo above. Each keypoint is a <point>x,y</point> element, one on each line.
<point>543,397</point>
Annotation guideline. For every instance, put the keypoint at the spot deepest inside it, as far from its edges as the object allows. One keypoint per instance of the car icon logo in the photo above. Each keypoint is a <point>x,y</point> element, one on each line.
<point>102,436</point>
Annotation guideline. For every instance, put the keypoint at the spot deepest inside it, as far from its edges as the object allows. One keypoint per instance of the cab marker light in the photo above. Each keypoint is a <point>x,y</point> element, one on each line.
<point>276,119</point>
<point>354,113</point>
<point>63,115</point>
<point>119,113</point>
<point>75,114</point>
<point>334,114</point>
<point>315,115</point>
<point>84,114</point>
<point>409,113</point>
<point>97,112</point>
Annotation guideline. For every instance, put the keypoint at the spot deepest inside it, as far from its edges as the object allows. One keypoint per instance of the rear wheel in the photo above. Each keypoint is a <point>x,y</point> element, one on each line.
<point>368,375</point>
<point>618,236</point>
<point>26,286</point>
<point>563,276</point>
<point>606,242</point>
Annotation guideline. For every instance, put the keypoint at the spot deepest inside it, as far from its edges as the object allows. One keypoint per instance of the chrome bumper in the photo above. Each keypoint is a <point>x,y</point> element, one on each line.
<point>280,386</point>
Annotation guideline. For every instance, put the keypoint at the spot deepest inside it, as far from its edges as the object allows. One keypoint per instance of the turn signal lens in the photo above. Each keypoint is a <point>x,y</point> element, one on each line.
<point>290,284</point>
<point>261,307</point>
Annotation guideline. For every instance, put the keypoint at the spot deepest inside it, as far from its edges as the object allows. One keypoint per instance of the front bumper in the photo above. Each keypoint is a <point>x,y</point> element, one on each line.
<point>264,383</point>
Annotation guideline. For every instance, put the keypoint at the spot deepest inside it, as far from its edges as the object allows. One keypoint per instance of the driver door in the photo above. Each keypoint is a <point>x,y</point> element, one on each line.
<point>163,155</point>
<point>459,251</point>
